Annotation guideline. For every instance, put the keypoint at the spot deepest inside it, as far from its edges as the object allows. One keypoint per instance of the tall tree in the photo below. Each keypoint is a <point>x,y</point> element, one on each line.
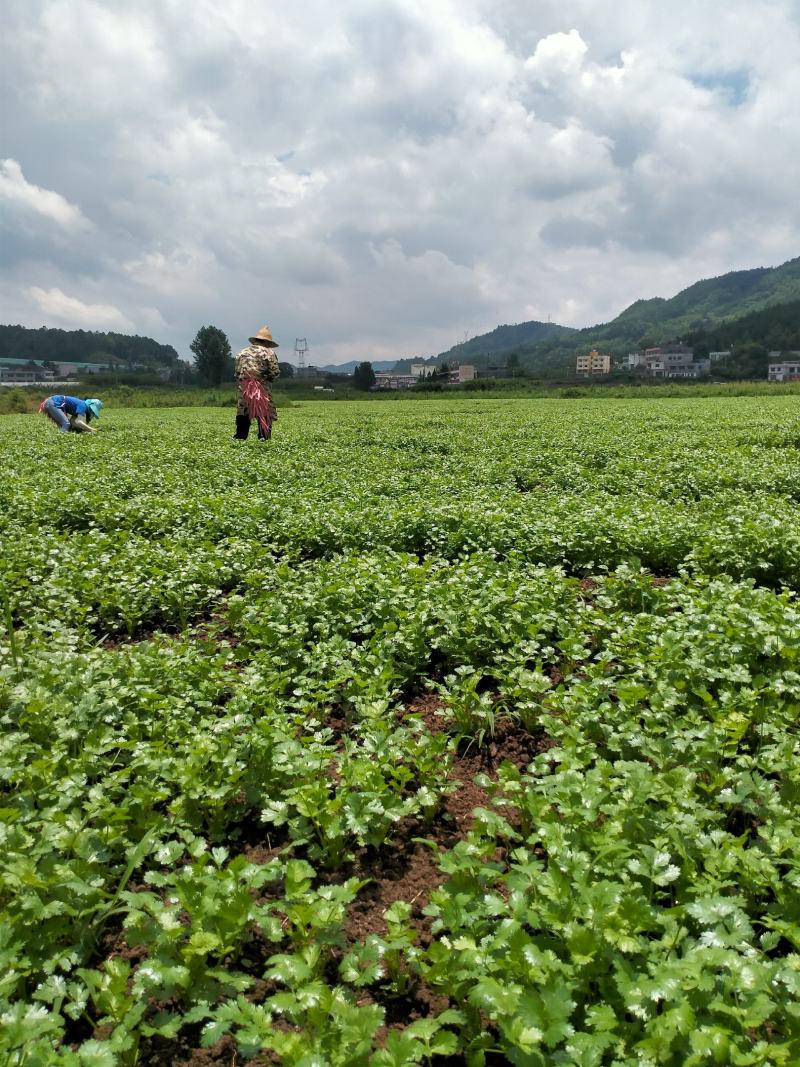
<point>364,376</point>
<point>212,355</point>
<point>748,360</point>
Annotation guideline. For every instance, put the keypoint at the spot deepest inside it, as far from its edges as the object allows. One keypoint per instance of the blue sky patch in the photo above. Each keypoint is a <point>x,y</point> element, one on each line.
<point>732,83</point>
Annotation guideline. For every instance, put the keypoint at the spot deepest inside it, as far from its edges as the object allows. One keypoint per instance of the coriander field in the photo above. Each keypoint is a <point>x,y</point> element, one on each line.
<point>447,732</point>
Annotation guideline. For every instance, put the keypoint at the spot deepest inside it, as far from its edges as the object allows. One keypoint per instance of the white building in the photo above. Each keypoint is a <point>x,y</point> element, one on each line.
<point>783,366</point>
<point>632,360</point>
<point>671,361</point>
<point>24,375</point>
<point>786,371</point>
<point>68,370</point>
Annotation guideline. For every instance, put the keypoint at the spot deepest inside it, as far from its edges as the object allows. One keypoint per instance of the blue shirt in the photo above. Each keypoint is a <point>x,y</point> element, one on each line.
<point>72,405</point>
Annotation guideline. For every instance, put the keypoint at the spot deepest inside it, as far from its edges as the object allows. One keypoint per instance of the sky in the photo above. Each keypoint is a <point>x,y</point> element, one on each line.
<point>386,177</point>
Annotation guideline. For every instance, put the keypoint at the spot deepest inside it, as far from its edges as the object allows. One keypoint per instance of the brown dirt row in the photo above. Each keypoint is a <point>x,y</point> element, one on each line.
<point>406,869</point>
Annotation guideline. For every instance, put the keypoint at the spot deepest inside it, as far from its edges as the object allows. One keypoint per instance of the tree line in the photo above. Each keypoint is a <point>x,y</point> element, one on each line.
<point>776,328</point>
<point>213,361</point>
<point>48,344</point>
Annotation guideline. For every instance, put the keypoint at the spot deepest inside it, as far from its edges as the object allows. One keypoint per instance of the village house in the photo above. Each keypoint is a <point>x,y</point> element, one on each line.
<point>593,363</point>
<point>784,367</point>
<point>389,380</point>
<point>19,373</point>
<point>667,361</point>
<point>392,380</point>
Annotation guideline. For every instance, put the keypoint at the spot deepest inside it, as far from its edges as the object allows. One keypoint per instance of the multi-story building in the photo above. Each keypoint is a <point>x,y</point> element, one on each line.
<point>786,370</point>
<point>19,375</point>
<point>632,361</point>
<point>593,363</point>
<point>669,361</point>
<point>682,364</point>
<point>29,374</point>
<point>387,380</point>
<point>392,380</point>
<point>783,366</point>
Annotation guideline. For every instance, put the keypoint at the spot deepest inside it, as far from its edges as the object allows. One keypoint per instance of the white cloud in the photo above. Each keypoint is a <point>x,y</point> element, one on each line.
<point>60,308</point>
<point>383,177</point>
<point>20,193</point>
<point>184,271</point>
<point>559,55</point>
<point>151,319</point>
<point>95,54</point>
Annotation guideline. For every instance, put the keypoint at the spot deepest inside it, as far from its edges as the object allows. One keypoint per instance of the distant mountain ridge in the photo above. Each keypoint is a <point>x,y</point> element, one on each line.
<point>700,307</point>
<point>503,338</point>
<point>350,366</point>
<point>713,299</point>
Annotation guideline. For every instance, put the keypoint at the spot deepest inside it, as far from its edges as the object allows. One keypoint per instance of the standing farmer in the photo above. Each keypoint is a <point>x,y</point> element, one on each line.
<point>70,413</point>
<point>255,367</point>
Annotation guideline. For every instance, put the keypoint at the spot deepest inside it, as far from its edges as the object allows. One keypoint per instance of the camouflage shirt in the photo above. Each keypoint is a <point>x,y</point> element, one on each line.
<point>256,361</point>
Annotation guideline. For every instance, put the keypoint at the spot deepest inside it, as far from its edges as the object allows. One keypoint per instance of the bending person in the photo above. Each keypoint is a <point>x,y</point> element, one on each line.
<point>71,414</point>
<point>255,367</point>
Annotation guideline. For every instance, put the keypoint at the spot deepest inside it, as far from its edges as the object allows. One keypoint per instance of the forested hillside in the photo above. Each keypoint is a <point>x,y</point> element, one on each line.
<point>776,328</point>
<point>503,338</point>
<point>84,346</point>
<point>760,306</point>
<point>708,301</point>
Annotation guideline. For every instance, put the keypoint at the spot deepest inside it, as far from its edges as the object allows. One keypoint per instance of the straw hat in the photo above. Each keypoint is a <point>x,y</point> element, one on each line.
<point>264,336</point>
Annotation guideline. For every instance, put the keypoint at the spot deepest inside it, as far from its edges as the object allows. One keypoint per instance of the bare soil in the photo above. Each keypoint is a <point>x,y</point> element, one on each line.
<point>405,868</point>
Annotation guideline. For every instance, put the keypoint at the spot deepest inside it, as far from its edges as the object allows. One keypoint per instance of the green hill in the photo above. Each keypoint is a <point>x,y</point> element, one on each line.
<point>83,346</point>
<point>702,308</point>
<point>708,301</point>
<point>503,339</point>
<point>777,328</point>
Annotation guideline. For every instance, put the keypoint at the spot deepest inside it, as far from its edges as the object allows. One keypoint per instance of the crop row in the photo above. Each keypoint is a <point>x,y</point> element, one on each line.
<point>192,818</point>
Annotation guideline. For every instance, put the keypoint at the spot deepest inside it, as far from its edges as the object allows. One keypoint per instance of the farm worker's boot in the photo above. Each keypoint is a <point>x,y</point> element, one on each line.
<point>242,428</point>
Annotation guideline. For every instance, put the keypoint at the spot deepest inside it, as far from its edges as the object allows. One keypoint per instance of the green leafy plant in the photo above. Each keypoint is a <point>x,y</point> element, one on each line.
<point>231,698</point>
